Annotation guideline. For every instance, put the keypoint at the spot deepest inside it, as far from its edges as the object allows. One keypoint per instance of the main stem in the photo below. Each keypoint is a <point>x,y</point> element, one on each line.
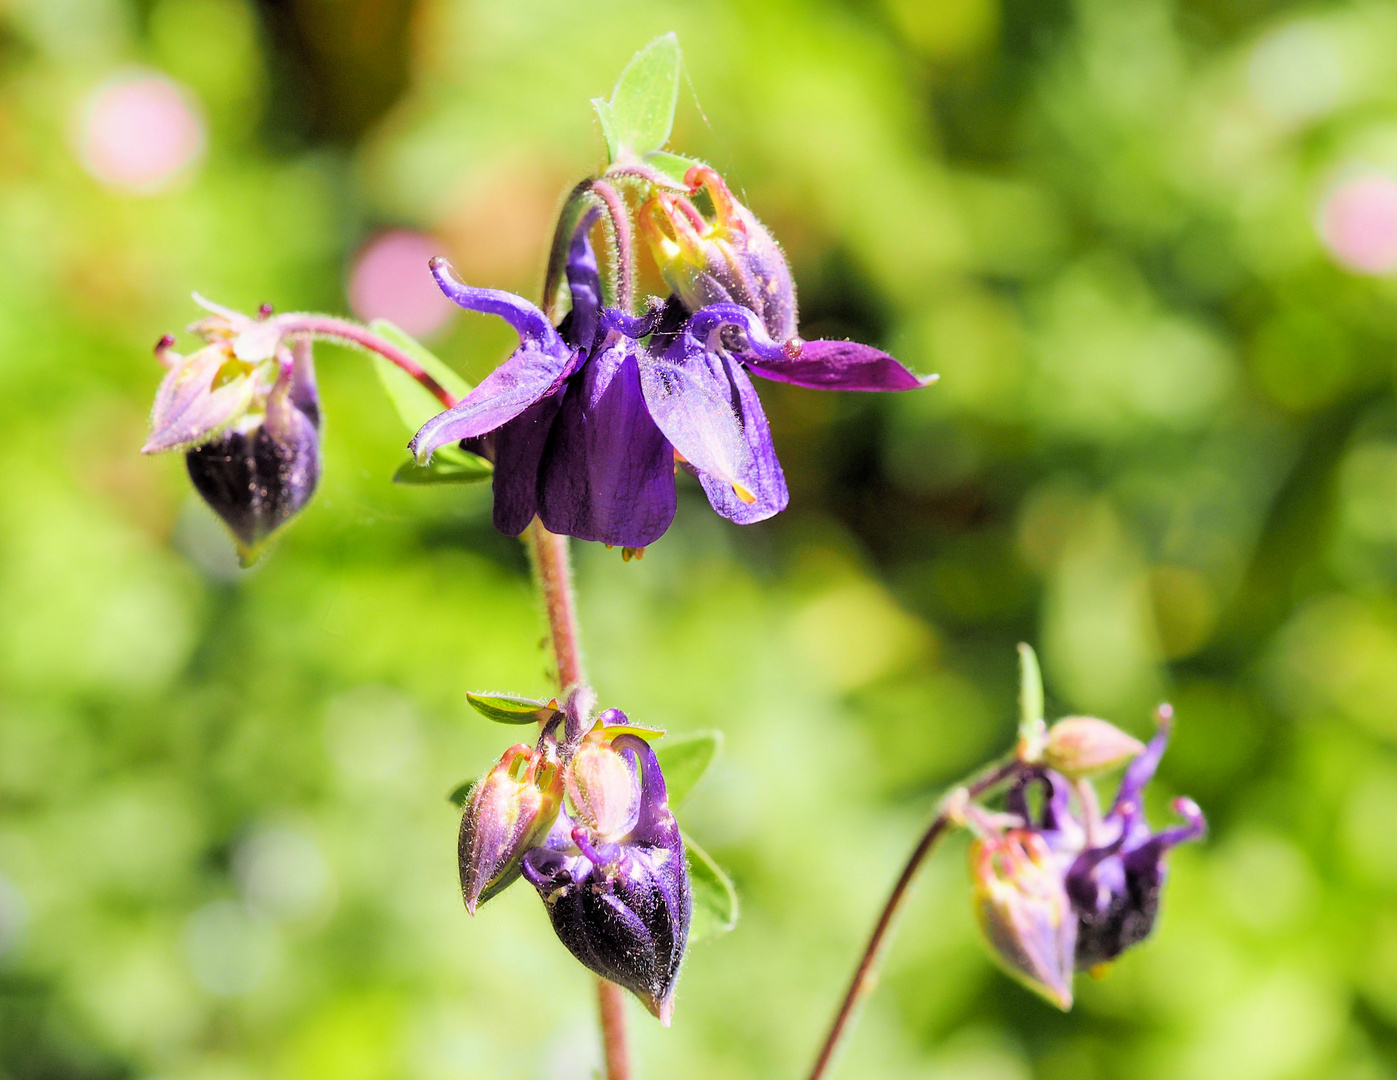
<point>866,972</point>
<point>554,570</point>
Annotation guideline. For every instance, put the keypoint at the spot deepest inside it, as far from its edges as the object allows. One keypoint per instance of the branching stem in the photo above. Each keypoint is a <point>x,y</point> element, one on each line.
<point>348,333</point>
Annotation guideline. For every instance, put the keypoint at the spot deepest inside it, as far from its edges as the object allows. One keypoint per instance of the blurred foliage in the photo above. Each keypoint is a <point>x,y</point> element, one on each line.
<point>1164,448</point>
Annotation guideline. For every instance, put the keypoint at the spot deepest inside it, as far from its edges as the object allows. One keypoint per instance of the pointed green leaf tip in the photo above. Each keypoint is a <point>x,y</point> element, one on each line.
<point>510,709</point>
<point>640,114</point>
<point>685,758</point>
<point>1032,730</point>
<point>715,899</point>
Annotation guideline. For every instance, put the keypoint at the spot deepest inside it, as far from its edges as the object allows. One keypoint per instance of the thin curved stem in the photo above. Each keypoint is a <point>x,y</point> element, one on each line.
<point>348,333</point>
<point>621,239</point>
<point>553,568</point>
<point>866,972</point>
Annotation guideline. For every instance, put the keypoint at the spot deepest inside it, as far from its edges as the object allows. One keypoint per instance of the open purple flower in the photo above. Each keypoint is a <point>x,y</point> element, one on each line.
<point>1113,868</point>
<point>587,419</point>
<point>613,874</point>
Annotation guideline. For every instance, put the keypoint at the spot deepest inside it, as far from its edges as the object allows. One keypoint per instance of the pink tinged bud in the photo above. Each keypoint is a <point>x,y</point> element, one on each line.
<point>201,396</point>
<point>603,789</point>
<point>510,811</point>
<point>1082,746</point>
<point>732,259</point>
<point>1025,913</point>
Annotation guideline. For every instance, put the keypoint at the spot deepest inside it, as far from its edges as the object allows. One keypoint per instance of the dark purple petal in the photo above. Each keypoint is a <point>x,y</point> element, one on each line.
<point>838,365</point>
<point>584,284</point>
<point>530,374</point>
<point>607,473</point>
<point>519,447</point>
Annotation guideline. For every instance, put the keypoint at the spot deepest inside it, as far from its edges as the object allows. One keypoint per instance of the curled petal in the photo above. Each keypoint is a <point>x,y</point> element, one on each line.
<point>584,283</point>
<point>608,472</point>
<point>838,365</point>
<point>529,322</point>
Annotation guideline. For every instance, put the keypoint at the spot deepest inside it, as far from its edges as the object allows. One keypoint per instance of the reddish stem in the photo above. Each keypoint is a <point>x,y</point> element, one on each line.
<point>865,974</point>
<point>350,333</point>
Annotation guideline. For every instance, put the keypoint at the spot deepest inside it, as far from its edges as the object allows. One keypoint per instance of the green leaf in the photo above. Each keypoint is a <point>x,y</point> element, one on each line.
<point>462,793</point>
<point>670,165</point>
<point>685,758</point>
<point>1032,729</point>
<point>715,899</point>
<point>415,404</point>
<point>509,709</point>
<point>640,114</point>
<point>449,465</point>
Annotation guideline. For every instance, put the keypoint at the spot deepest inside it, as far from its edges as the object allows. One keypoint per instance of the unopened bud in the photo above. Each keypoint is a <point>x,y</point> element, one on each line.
<point>1082,746</point>
<point>1024,912</point>
<point>603,788</point>
<point>509,811</point>
<point>732,259</point>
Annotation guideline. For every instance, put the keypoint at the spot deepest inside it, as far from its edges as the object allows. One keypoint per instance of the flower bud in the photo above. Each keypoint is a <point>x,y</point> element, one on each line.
<point>620,903</point>
<point>1024,911</point>
<point>603,788</point>
<point>732,259</point>
<point>1081,746</point>
<point>261,471</point>
<point>509,811</point>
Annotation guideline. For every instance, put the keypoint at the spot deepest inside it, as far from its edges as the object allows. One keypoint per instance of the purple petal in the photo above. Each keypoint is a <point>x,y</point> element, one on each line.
<point>764,481</point>
<point>607,473</point>
<point>1140,772</point>
<point>838,365</point>
<point>188,411</point>
<point>584,283</point>
<point>706,407</point>
<point>519,447</point>
<point>529,375</point>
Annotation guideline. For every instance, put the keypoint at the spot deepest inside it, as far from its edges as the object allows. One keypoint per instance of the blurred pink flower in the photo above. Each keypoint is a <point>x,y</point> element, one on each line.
<point>1358,223</point>
<point>390,280</point>
<point>139,131</point>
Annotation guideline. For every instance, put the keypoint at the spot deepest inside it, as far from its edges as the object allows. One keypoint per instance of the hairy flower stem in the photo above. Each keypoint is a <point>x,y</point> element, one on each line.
<point>553,568</point>
<point>866,973</point>
<point>347,333</point>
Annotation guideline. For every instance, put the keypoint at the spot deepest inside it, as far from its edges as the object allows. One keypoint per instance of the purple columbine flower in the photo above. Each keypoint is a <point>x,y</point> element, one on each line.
<point>1113,868</point>
<point>587,419</point>
<point>613,874</point>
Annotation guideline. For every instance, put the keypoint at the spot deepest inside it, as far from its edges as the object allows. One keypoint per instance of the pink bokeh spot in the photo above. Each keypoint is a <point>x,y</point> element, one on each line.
<point>390,280</point>
<point>1358,224</point>
<point>139,131</point>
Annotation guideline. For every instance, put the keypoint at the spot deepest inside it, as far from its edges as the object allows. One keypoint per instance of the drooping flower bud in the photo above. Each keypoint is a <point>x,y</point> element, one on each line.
<point>732,259</point>
<point>602,785</point>
<point>1081,746</point>
<point>1024,911</point>
<point>244,409</point>
<point>620,902</point>
<point>510,811</point>
<point>262,471</point>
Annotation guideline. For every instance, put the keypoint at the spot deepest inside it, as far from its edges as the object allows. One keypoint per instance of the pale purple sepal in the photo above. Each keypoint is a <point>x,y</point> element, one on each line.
<point>188,410</point>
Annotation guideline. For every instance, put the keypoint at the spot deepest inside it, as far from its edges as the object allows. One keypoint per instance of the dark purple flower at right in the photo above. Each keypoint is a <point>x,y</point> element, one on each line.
<point>1115,884</point>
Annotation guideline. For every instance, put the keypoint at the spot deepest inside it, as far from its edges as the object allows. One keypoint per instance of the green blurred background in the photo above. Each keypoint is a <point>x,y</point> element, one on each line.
<point>1145,244</point>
